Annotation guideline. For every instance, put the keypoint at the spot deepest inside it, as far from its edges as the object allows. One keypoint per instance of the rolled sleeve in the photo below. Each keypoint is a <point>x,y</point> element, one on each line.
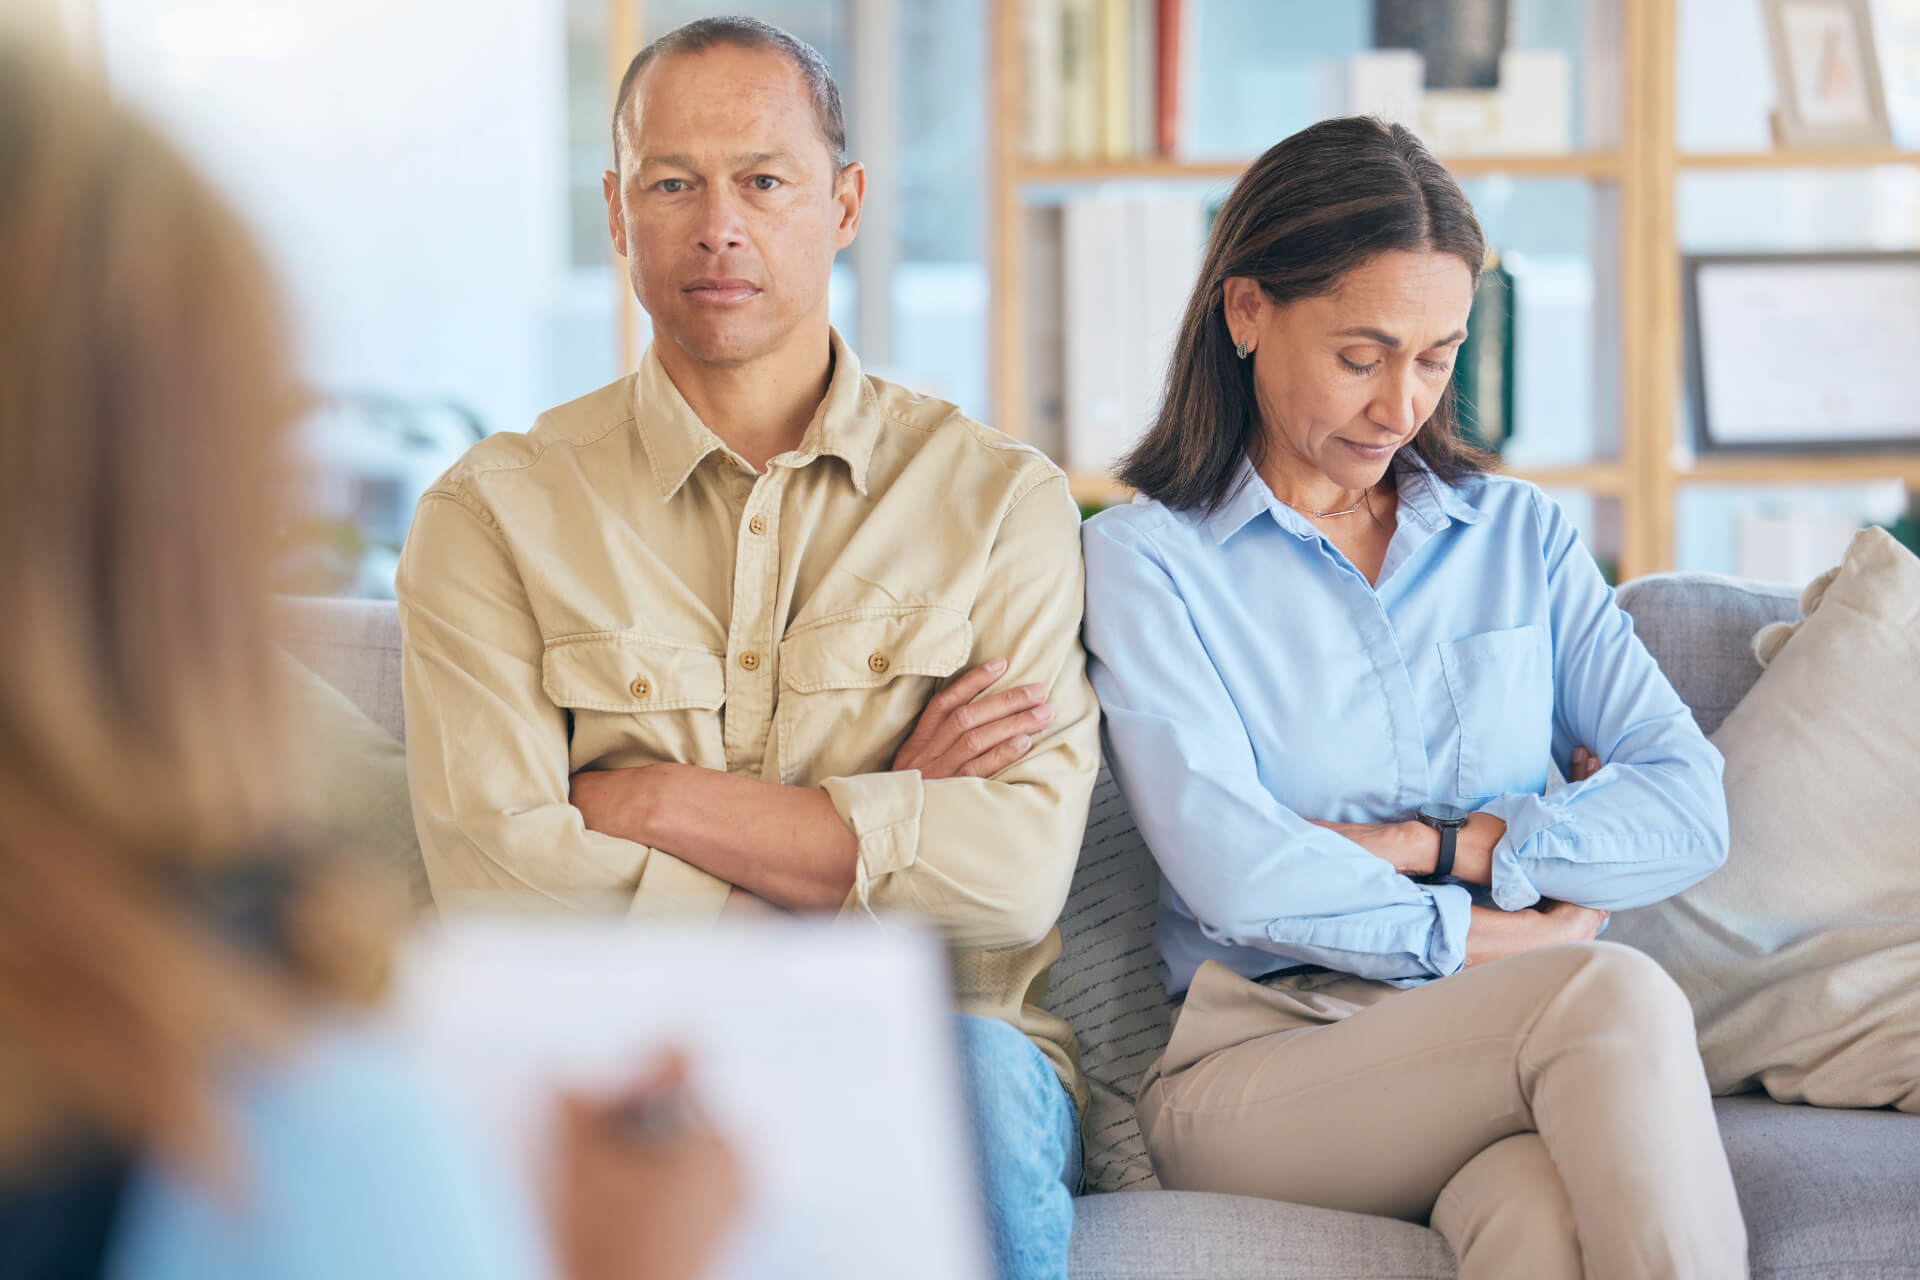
<point>487,751</point>
<point>1653,820</point>
<point>1250,871</point>
<point>989,860</point>
<point>883,812</point>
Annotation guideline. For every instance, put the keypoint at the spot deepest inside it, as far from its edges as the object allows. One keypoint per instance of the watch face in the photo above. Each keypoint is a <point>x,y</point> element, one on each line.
<point>1445,813</point>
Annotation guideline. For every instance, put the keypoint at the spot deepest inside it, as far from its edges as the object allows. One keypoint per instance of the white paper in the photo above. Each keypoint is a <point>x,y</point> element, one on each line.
<point>826,1054</point>
<point>1800,351</point>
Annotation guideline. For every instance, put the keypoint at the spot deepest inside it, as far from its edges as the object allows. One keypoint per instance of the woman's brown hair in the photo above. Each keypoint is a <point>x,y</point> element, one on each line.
<point>145,386</point>
<point>1314,207</point>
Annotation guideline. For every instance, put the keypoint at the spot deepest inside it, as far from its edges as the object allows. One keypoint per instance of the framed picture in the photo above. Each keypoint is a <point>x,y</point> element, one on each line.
<point>1803,352</point>
<point>1825,74</point>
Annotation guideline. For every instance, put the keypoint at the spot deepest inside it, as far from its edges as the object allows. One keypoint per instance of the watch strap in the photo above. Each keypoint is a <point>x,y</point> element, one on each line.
<point>1449,832</point>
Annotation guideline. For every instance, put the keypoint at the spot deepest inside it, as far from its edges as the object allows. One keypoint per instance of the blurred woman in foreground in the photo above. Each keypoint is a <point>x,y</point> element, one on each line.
<point>184,1090</point>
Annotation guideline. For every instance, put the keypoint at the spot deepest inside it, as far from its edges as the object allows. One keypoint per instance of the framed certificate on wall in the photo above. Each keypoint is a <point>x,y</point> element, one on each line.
<point>1816,352</point>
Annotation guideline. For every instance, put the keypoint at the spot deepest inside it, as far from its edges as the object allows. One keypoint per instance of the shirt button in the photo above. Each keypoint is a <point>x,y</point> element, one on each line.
<point>757,525</point>
<point>639,688</point>
<point>750,660</point>
<point>878,662</point>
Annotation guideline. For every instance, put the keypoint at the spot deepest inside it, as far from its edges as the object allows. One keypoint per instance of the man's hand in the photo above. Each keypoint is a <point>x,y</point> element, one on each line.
<point>616,802</point>
<point>962,735</point>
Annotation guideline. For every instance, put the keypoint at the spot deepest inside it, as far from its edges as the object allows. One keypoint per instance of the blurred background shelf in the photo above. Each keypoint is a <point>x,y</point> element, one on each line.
<point>1592,165</point>
<point>1805,158</point>
<point>1800,469</point>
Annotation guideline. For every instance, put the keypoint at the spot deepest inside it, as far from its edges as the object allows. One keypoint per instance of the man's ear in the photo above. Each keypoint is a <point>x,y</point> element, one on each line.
<point>849,192</point>
<point>616,219</point>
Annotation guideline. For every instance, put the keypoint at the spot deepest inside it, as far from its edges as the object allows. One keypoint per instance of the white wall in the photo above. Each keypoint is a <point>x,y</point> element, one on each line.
<point>404,164</point>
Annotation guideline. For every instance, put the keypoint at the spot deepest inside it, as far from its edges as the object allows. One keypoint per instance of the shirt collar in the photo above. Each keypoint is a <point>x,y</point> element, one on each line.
<point>1423,495</point>
<point>846,424</point>
<point>1432,500</point>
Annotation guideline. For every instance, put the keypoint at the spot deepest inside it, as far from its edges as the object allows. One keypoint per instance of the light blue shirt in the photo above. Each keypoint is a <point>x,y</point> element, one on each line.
<point>1252,680</point>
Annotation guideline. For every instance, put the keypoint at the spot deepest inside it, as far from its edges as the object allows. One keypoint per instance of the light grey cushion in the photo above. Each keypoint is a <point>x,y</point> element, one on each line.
<point>1204,1236</point>
<point>354,645</point>
<point>1107,985</point>
<point>1825,1193</point>
<point>347,779</point>
<point>1193,1235</point>
<point>1699,627</point>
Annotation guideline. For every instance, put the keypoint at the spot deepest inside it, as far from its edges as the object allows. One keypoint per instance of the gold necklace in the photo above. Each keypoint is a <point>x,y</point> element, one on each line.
<point>1328,515</point>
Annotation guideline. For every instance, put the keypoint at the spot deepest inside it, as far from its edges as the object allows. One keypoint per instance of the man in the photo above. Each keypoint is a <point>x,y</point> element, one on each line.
<point>685,642</point>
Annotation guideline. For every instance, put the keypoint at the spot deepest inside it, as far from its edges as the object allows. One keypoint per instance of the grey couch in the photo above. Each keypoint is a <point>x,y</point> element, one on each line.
<point>1826,1193</point>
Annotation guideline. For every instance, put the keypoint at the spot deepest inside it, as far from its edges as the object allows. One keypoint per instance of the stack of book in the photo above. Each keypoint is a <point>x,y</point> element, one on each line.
<point>1102,78</point>
<point>1108,285</point>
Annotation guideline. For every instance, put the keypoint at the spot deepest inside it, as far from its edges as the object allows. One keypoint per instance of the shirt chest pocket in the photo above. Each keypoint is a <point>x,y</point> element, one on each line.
<point>638,699</point>
<point>1501,687</point>
<point>853,686</point>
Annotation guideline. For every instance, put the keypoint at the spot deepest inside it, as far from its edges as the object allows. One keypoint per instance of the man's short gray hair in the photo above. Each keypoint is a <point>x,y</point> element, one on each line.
<point>746,33</point>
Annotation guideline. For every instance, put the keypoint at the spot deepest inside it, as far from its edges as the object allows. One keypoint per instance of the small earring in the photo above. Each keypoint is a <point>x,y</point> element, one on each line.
<point>1240,349</point>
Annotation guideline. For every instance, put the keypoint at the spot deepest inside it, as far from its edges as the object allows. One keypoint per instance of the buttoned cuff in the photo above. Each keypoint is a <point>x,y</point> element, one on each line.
<point>883,812</point>
<point>672,887</point>
<point>1527,817</point>
<point>1452,917</point>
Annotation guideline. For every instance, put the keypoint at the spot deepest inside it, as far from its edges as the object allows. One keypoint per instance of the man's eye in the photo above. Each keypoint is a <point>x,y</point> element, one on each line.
<point>765,182</point>
<point>672,186</point>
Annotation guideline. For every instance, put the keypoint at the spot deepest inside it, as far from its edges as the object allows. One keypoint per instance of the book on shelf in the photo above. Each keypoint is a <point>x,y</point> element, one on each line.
<point>1041,36</point>
<point>1126,269</point>
<point>1169,44</point>
<point>1483,372</point>
<point>1144,77</point>
<point>1115,33</point>
<point>1079,77</point>
<point>1102,78</point>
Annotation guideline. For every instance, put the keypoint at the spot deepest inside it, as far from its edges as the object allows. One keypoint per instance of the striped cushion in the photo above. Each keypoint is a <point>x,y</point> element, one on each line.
<point>1107,986</point>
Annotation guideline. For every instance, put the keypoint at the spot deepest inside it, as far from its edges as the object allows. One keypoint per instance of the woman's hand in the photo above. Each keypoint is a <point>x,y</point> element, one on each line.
<point>1411,848</point>
<point>963,735</point>
<point>647,1191</point>
<point>1493,934</point>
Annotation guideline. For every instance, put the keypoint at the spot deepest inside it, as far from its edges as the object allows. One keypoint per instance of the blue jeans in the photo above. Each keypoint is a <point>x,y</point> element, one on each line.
<point>1028,1142</point>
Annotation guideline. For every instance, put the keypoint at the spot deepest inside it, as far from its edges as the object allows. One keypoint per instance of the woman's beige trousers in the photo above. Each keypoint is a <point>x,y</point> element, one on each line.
<point>1548,1113</point>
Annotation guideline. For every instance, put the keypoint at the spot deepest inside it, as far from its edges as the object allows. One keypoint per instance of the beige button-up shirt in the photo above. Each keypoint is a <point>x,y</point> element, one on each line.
<point>617,588</point>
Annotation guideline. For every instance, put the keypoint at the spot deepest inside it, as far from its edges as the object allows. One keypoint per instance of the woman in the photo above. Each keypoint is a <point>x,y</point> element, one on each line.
<point>184,1091</point>
<point>1335,656</point>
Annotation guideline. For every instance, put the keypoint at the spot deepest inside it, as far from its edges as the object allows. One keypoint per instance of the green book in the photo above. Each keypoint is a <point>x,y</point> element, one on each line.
<point>1483,374</point>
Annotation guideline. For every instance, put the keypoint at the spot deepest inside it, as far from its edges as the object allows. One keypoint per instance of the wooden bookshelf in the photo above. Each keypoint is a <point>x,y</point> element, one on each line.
<point>1640,174</point>
<point>1802,158</point>
<point>1802,468</point>
<point>1590,165</point>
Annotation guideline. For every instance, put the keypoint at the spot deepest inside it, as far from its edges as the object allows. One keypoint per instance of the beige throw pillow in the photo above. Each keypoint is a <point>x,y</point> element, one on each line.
<point>347,783</point>
<point>1802,954</point>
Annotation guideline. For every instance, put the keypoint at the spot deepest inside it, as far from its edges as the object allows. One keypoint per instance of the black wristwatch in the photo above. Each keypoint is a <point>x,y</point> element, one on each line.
<point>1447,820</point>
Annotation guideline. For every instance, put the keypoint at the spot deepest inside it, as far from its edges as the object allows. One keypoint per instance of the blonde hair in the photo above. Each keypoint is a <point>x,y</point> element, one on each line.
<point>145,388</point>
